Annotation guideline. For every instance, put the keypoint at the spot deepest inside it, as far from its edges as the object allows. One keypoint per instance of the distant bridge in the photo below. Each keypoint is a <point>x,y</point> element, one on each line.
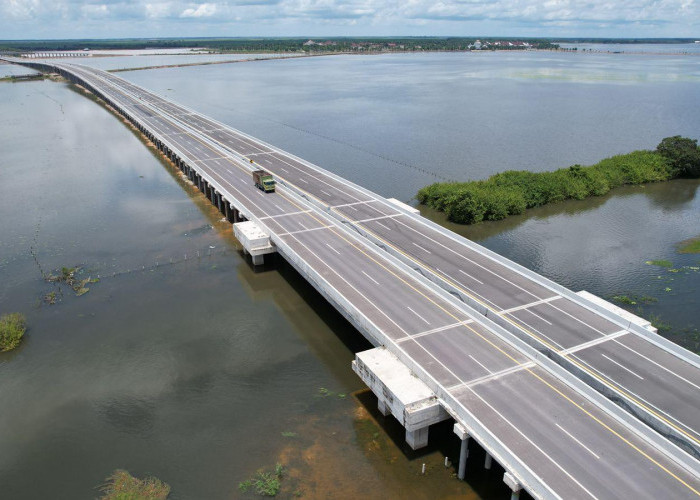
<point>574,398</point>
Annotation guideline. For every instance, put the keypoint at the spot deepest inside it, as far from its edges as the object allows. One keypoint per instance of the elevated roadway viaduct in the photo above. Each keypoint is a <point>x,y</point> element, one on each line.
<point>554,436</point>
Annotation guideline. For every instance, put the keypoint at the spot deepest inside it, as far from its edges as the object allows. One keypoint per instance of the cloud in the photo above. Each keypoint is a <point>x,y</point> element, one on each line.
<point>86,18</point>
<point>202,10</point>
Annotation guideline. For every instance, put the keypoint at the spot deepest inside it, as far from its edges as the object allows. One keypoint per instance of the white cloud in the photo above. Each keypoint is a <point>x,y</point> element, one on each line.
<point>202,10</point>
<point>114,18</point>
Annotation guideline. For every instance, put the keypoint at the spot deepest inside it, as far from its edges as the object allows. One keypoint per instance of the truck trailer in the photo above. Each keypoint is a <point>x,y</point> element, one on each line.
<point>264,181</point>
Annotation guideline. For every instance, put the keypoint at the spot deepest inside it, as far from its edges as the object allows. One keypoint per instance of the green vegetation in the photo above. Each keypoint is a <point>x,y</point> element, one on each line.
<point>660,263</point>
<point>514,191</point>
<point>318,45</point>
<point>289,434</point>
<point>690,246</point>
<point>12,328</point>
<point>633,300</point>
<point>264,483</point>
<point>69,276</point>
<point>123,486</point>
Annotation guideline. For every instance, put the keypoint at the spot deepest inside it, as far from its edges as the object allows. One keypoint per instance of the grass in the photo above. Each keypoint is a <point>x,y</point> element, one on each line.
<point>514,191</point>
<point>633,300</point>
<point>69,276</point>
<point>12,328</point>
<point>123,486</point>
<point>690,246</point>
<point>660,263</point>
<point>264,483</point>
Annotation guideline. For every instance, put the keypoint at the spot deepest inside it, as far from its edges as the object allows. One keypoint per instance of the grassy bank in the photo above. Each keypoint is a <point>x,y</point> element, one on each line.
<point>514,191</point>
<point>12,328</point>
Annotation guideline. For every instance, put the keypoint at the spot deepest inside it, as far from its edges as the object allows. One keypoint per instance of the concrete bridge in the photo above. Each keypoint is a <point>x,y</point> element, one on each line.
<point>54,55</point>
<point>572,397</point>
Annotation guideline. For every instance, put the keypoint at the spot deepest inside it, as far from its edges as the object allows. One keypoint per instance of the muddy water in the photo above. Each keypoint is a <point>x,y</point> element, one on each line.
<point>182,361</point>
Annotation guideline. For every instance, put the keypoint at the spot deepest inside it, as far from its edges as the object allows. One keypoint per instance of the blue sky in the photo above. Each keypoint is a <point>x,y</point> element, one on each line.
<point>21,19</point>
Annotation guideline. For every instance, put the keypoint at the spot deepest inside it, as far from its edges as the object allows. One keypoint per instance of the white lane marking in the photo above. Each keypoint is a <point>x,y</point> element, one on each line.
<point>623,367</point>
<point>491,376</point>
<point>355,209</point>
<point>302,225</point>
<point>579,442</point>
<point>421,317</point>
<point>326,193</point>
<point>538,332</point>
<point>284,169</point>
<point>531,304</point>
<point>299,231</point>
<point>302,180</point>
<point>593,342</point>
<point>425,250</point>
<point>353,203</point>
<point>276,205</point>
<point>362,221</point>
<point>384,226</point>
<point>471,277</point>
<point>538,316</point>
<point>435,330</point>
<point>480,364</point>
<point>659,365</point>
<point>371,278</point>
<point>284,215</point>
<point>336,251</point>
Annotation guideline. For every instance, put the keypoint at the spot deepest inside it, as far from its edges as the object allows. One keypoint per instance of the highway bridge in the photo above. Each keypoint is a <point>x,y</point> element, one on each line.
<point>573,399</point>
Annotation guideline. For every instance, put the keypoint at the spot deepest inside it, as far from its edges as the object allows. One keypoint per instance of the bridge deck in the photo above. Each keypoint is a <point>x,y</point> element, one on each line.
<point>642,372</point>
<point>562,442</point>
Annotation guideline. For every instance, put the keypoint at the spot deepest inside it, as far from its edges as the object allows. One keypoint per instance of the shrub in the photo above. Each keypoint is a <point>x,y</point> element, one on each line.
<point>12,328</point>
<point>513,191</point>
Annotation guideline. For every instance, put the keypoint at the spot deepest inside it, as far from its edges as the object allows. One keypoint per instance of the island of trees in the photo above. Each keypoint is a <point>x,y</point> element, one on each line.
<point>514,191</point>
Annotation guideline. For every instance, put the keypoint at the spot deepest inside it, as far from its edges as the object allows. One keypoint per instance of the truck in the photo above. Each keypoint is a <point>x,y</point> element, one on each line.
<point>264,181</point>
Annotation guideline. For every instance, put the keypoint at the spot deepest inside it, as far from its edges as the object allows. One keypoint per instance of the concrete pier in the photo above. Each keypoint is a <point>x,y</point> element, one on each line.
<point>255,241</point>
<point>400,393</point>
<point>463,435</point>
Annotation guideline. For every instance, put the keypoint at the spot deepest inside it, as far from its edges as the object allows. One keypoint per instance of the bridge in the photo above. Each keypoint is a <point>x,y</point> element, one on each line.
<point>571,397</point>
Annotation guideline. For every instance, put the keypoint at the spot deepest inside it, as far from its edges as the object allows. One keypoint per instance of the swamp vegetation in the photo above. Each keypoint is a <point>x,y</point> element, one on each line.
<point>514,191</point>
<point>12,329</point>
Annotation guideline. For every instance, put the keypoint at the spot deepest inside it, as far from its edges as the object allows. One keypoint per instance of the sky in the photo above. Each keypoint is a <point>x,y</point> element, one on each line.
<point>25,19</point>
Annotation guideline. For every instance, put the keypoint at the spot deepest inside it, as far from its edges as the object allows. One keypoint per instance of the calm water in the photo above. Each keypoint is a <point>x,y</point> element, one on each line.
<point>184,363</point>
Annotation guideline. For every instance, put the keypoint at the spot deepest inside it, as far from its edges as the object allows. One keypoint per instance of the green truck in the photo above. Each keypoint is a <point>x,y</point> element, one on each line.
<point>264,181</point>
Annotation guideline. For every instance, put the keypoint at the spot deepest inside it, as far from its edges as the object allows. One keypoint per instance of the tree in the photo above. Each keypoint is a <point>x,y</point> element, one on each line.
<point>683,155</point>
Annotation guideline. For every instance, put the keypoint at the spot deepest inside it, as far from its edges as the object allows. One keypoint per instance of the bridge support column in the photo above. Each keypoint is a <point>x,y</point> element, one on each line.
<point>418,438</point>
<point>463,450</point>
<point>382,407</point>
<point>487,461</point>
<point>227,210</point>
<point>514,485</point>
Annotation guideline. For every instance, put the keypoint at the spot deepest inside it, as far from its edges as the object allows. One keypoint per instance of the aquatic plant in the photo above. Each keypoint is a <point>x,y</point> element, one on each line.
<point>12,328</point>
<point>264,483</point>
<point>514,191</point>
<point>690,246</point>
<point>123,486</point>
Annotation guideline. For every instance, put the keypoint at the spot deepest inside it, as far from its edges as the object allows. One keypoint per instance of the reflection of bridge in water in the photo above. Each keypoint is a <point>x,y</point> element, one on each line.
<point>525,367</point>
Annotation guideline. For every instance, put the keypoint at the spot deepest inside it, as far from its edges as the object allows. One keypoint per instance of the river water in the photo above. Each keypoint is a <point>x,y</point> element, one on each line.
<point>185,363</point>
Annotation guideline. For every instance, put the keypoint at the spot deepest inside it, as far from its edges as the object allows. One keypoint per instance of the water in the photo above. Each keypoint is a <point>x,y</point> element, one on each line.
<point>185,363</point>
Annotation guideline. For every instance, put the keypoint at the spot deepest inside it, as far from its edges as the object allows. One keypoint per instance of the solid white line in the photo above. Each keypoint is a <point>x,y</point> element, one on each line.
<point>371,278</point>
<point>291,233</point>
<point>353,203</point>
<point>285,214</point>
<point>416,244</point>
<point>421,317</point>
<point>593,342</point>
<point>579,442</point>
<point>623,367</point>
<point>385,227</point>
<point>336,251</point>
<point>362,221</point>
<point>492,376</point>
<point>659,365</point>
<point>436,330</point>
<point>326,193</point>
<point>531,304</point>
<point>470,276</point>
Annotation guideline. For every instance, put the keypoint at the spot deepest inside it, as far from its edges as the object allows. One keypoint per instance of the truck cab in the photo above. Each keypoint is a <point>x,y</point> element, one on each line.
<point>264,181</point>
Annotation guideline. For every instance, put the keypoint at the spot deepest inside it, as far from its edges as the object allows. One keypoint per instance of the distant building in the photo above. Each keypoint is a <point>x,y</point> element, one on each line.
<point>477,45</point>
<point>309,43</point>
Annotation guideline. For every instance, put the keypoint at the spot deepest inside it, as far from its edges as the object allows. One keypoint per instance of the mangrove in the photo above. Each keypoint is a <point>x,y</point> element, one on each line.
<point>514,191</point>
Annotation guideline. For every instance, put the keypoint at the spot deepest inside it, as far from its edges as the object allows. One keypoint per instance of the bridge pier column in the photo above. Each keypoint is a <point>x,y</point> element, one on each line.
<point>487,461</point>
<point>227,210</point>
<point>418,438</point>
<point>236,216</point>
<point>514,485</point>
<point>383,408</point>
<point>257,260</point>
<point>463,450</point>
